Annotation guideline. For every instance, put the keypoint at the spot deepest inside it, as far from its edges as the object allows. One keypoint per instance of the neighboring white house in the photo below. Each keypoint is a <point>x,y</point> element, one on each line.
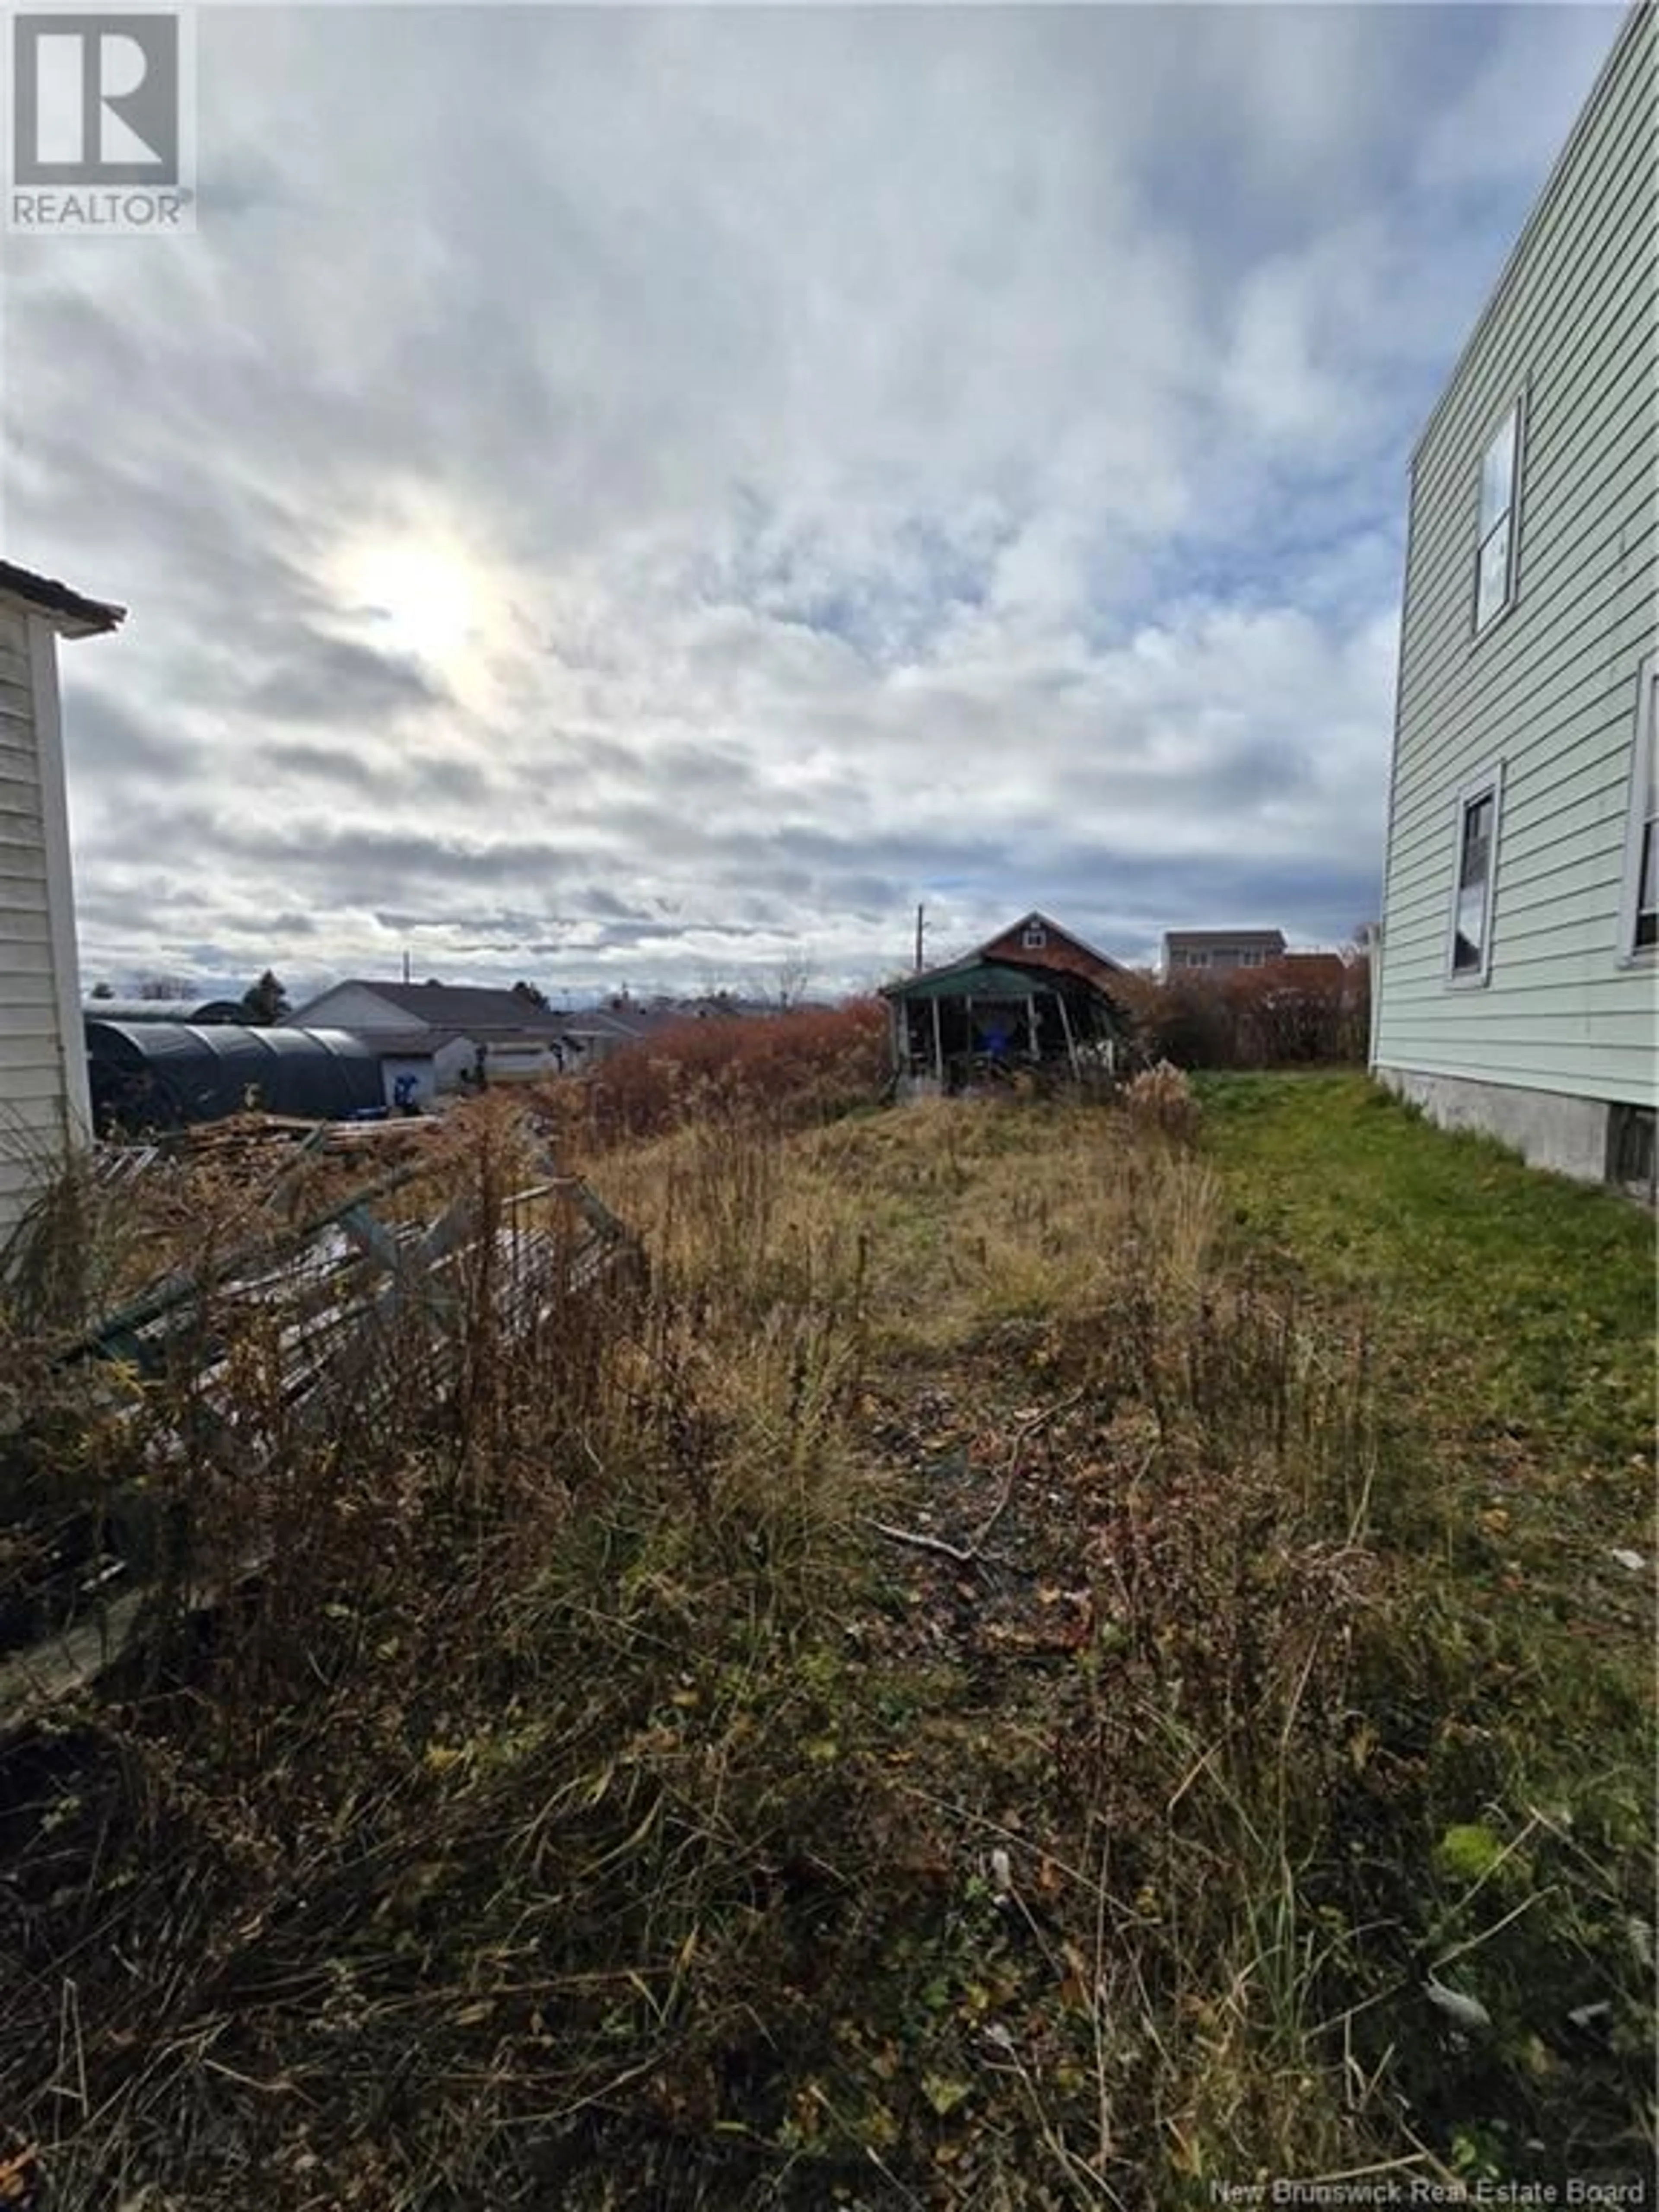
<point>432,1034</point>
<point>43,1108</point>
<point>1515,986</point>
<point>1221,950</point>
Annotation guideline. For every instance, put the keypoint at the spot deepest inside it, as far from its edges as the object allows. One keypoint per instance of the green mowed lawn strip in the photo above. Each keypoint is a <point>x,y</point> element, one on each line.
<point>1512,1322</point>
<point>1516,1304</point>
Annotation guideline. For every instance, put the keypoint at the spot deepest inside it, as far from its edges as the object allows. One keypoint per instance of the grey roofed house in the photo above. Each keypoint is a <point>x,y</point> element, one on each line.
<point>1221,949</point>
<point>442,1035</point>
<point>474,1010</point>
<point>45,1106</point>
<point>1516,988</point>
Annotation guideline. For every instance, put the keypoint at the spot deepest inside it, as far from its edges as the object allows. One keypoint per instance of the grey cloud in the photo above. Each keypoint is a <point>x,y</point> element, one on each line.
<point>887,473</point>
<point>359,857</point>
<point>109,740</point>
<point>325,763</point>
<point>237,182</point>
<point>610,907</point>
<point>455,779</point>
<point>411,777</point>
<point>513,926</point>
<point>331,679</point>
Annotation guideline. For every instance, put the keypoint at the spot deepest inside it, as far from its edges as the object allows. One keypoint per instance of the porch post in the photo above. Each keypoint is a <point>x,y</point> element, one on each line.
<point>1065,1025</point>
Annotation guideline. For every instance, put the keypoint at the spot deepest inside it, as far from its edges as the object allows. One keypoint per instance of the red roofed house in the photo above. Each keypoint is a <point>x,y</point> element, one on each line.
<point>1034,941</point>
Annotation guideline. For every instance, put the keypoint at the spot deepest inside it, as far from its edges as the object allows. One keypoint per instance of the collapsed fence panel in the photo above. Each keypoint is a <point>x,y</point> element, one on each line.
<point>390,1281</point>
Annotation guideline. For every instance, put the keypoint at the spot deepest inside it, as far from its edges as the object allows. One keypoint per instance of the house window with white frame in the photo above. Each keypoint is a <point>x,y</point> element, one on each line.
<point>1638,929</point>
<point>1036,937</point>
<point>1475,863</point>
<point>1500,491</point>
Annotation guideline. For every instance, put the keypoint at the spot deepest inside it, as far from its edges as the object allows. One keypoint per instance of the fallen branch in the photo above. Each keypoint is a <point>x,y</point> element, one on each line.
<point>924,1543</point>
<point>973,1553</point>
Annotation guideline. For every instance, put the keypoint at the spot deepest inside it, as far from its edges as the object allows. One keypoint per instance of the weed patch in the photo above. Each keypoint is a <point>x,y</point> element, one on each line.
<point>999,1677</point>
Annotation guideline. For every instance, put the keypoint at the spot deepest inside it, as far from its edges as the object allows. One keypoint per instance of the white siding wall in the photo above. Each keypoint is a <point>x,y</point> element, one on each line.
<point>521,1063</point>
<point>1550,688</point>
<point>433,1071</point>
<point>43,1083</point>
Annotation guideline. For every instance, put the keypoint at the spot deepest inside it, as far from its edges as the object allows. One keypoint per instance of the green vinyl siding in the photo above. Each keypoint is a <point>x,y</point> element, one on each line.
<point>1549,687</point>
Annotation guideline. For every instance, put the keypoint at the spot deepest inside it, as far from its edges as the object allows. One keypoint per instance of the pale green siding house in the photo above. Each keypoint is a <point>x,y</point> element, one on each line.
<point>1516,984</point>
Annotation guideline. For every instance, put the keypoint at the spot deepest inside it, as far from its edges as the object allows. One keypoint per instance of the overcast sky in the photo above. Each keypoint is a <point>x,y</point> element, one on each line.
<point>621,495</point>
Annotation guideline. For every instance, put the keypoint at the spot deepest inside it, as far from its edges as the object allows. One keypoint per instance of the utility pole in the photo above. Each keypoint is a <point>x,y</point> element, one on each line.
<point>921,928</point>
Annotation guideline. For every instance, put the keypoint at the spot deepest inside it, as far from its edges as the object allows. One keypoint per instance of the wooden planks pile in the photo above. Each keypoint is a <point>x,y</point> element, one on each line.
<point>393,1278</point>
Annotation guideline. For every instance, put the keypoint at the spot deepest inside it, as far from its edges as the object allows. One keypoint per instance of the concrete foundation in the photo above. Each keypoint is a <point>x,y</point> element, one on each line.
<point>1549,1130</point>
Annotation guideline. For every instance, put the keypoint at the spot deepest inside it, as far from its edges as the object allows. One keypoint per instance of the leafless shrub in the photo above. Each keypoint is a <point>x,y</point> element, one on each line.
<point>1160,1098</point>
<point>789,1070</point>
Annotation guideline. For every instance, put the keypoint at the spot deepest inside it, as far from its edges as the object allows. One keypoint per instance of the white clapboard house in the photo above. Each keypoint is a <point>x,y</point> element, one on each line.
<point>43,1069</point>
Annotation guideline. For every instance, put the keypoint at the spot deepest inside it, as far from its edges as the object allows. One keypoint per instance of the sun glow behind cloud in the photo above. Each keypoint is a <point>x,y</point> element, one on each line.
<point>779,466</point>
<point>420,597</point>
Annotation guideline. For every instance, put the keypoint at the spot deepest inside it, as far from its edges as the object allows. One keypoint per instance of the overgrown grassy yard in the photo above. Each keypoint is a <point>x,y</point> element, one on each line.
<point>1051,1657</point>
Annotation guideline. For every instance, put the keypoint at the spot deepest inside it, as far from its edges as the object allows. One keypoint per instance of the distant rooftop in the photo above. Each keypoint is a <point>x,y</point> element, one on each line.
<point>1198,940</point>
<point>630,1021</point>
<point>467,1008</point>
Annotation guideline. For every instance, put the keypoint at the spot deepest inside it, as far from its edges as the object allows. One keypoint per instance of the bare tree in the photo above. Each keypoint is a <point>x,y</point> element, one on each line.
<point>794,978</point>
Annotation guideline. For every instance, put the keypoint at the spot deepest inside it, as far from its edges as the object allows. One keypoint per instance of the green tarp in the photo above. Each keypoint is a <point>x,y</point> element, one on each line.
<point>984,980</point>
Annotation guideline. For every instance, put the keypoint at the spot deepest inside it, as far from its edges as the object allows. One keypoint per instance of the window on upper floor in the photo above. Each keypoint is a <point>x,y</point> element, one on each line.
<point>1638,927</point>
<point>1500,501</point>
<point>1475,863</point>
<point>1036,937</point>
